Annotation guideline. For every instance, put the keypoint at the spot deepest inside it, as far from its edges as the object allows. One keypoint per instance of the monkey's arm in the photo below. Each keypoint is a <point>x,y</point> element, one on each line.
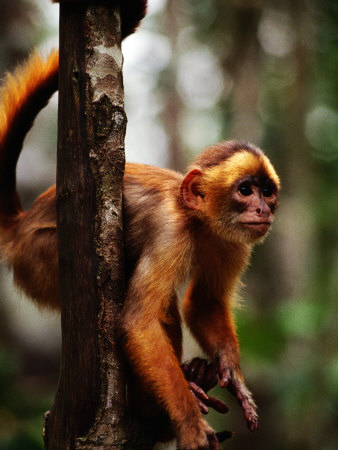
<point>208,315</point>
<point>151,353</point>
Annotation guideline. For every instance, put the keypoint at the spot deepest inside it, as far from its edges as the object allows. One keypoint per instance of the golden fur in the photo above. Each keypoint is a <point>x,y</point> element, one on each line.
<point>199,227</point>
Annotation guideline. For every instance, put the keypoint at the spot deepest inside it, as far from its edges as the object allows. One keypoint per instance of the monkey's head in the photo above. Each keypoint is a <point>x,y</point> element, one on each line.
<point>233,188</point>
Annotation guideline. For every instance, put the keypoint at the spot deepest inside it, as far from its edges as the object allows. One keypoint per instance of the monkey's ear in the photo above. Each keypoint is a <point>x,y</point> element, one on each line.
<point>191,194</point>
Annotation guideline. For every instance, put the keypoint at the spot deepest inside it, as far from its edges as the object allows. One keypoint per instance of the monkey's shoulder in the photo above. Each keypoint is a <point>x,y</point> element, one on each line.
<point>148,186</point>
<point>151,207</point>
<point>151,176</point>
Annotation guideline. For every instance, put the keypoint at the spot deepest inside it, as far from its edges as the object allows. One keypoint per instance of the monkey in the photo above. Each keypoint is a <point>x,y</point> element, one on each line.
<point>199,226</point>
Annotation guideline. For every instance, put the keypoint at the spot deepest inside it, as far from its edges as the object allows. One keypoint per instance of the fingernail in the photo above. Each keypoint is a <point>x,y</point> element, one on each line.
<point>224,382</point>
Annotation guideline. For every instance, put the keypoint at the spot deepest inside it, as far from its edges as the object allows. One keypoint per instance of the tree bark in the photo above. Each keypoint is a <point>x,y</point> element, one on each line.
<point>89,410</point>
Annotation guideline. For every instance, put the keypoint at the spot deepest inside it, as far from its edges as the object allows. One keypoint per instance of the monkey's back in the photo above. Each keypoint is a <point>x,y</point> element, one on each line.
<point>150,213</point>
<point>30,246</point>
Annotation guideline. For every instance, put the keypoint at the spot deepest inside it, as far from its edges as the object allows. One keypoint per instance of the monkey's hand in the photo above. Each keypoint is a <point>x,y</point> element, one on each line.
<point>199,436</point>
<point>202,376</point>
<point>232,378</point>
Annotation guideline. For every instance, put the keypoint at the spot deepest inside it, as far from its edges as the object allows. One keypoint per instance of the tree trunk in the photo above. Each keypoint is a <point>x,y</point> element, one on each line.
<point>172,104</point>
<point>89,410</point>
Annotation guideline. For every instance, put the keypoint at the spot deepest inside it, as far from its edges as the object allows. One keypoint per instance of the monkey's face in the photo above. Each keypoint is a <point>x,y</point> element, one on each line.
<point>253,202</point>
<point>237,197</point>
<point>246,204</point>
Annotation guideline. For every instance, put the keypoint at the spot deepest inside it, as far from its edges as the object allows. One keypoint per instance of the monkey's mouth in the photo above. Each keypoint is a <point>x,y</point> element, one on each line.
<point>260,227</point>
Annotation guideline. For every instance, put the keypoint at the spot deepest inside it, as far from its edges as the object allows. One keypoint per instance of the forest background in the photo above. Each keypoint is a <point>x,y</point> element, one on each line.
<point>198,72</point>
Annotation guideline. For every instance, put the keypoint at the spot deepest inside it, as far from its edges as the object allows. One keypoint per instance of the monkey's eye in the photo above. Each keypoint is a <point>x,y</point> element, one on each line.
<point>268,190</point>
<point>245,189</point>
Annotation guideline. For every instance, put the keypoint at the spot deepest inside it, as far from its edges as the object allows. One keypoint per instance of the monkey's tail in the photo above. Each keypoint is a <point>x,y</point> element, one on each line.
<point>23,94</point>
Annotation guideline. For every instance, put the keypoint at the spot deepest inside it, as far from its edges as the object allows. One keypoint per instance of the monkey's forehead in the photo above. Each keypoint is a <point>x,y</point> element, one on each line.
<point>240,165</point>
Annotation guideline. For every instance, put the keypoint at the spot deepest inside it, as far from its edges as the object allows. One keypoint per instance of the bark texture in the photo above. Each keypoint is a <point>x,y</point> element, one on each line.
<point>89,410</point>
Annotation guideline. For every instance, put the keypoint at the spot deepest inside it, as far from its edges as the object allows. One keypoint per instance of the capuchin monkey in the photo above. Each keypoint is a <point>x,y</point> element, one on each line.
<point>199,226</point>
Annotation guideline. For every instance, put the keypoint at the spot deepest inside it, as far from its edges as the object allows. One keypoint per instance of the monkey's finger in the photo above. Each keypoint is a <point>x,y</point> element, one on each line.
<point>217,404</point>
<point>188,369</point>
<point>185,369</point>
<point>210,378</point>
<point>203,408</point>
<point>196,390</point>
<point>200,397</point>
<point>225,376</point>
<point>252,425</point>
<point>250,415</point>
<point>213,402</point>
<point>201,373</point>
<point>244,397</point>
<point>196,368</point>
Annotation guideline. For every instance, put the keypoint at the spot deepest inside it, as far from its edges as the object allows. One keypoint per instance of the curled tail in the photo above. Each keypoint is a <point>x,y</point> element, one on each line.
<point>23,94</point>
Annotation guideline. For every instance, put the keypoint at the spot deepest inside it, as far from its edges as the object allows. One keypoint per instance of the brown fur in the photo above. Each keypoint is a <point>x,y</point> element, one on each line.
<point>198,227</point>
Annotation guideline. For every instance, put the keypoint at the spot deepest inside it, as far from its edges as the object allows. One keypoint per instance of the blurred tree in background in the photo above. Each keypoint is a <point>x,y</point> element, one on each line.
<point>198,72</point>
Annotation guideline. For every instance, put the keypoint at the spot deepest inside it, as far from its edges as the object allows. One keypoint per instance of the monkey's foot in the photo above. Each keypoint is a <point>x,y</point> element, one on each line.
<point>200,437</point>
<point>201,377</point>
<point>201,372</point>
<point>234,382</point>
